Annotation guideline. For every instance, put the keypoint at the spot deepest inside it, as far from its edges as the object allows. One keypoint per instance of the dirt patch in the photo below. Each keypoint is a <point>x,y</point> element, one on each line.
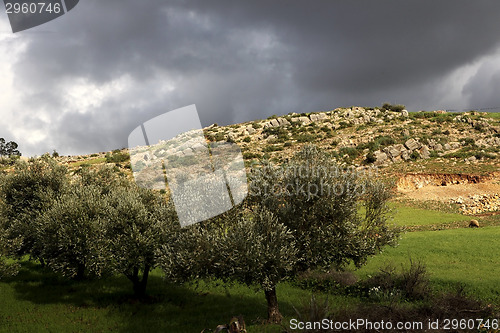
<point>476,194</point>
<point>414,181</point>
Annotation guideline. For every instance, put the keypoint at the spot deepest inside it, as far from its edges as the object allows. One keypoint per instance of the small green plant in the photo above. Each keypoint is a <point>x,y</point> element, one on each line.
<point>390,107</point>
<point>117,157</point>
<point>415,155</point>
<point>247,139</point>
<point>370,158</point>
<point>249,155</point>
<point>351,152</point>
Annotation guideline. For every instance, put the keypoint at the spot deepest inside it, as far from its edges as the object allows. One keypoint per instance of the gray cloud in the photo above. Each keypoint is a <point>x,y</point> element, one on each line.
<point>240,61</point>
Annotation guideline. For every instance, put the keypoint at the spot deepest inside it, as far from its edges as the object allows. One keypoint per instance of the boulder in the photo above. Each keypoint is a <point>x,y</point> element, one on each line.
<point>412,144</point>
<point>424,152</point>
<point>274,123</point>
<point>380,157</point>
<point>305,120</point>
<point>283,122</point>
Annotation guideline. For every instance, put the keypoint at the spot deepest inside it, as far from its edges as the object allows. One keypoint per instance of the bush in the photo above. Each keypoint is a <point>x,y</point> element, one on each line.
<point>249,155</point>
<point>247,139</point>
<point>411,283</point>
<point>390,107</point>
<point>370,158</point>
<point>306,138</point>
<point>415,155</point>
<point>271,148</point>
<point>468,142</point>
<point>351,152</point>
<point>328,281</point>
<point>117,157</point>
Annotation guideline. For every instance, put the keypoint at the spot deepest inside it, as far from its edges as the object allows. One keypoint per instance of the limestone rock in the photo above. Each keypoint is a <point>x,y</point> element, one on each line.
<point>412,144</point>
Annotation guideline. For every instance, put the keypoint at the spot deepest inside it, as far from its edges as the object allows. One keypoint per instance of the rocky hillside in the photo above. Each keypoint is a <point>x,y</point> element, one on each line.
<point>448,148</point>
<point>363,136</point>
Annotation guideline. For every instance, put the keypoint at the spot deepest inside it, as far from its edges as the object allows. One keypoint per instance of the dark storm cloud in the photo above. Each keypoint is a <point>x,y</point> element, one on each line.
<point>240,60</point>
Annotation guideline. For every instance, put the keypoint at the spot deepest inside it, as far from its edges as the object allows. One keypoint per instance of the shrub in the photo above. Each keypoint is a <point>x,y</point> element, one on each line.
<point>370,158</point>
<point>328,281</point>
<point>351,152</point>
<point>415,155</point>
<point>410,283</point>
<point>117,157</point>
<point>247,139</point>
<point>271,148</point>
<point>304,138</point>
<point>249,155</point>
<point>468,142</point>
<point>390,107</point>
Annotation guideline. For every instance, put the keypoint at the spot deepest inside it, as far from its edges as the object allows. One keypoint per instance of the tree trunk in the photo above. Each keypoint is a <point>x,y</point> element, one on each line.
<point>139,285</point>
<point>273,313</point>
<point>80,272</point>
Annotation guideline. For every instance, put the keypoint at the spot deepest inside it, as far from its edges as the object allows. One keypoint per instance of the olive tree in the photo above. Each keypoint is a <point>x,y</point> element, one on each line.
<point>71,232</point>
<point>305,214</point>
<point>25,193</point>
<point>254,249</point>
<point>140,221</point>
<point>6,268</point>
<point>319,203</point>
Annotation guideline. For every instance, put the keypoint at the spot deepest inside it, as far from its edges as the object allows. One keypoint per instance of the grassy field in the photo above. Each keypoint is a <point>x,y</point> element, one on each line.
<point>40,301</point>
<point>467,256</point>
<point>405,215</point>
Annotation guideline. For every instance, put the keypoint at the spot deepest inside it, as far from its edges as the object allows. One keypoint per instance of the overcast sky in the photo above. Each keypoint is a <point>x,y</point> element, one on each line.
<point>83,82</point>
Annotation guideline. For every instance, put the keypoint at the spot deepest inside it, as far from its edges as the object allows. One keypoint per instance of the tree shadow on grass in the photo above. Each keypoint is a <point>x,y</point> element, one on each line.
<point>108,303</point>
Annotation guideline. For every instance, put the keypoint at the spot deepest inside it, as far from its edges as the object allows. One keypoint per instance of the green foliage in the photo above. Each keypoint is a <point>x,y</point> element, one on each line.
<point>378,143</point>
<point>25,194</point>
<point>305,138</point>
<point>411,283</point>
<point>271,148</point>
<point>370,158</point>
<point>248,155</point>
<point>69,230</point>
<point>117,157</point>
<point>415,155</point>
<point>139,222</point>
<point>391,107</point>
<point>8,148</point>
<point>351,152</point>
<point>247,139</point>
<point>317,219</point>
<point>468,142</point>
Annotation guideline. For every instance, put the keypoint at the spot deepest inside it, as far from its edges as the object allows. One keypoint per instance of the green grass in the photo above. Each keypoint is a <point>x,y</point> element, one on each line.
<point>467,256</point>
<point>38,300</point>
<point>405,215</point>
